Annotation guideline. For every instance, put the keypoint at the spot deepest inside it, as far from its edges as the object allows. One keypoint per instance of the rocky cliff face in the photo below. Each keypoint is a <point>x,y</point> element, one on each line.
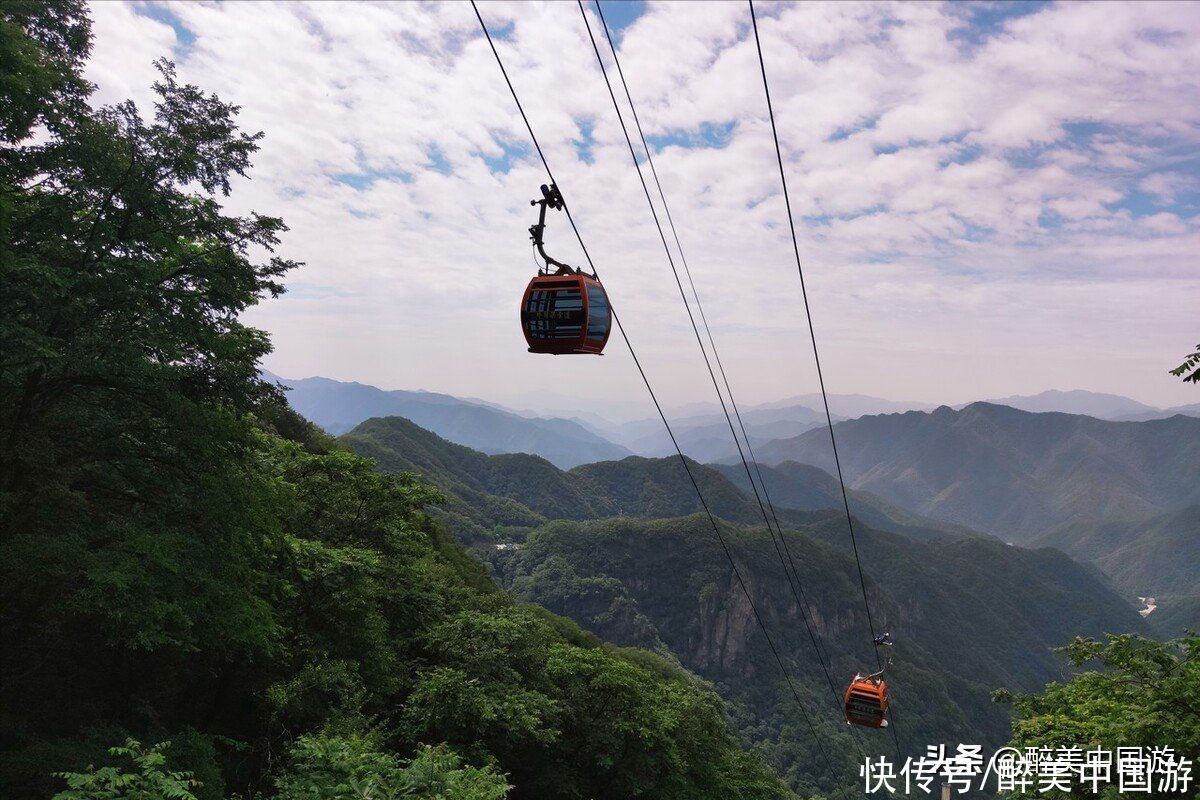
<point>723,627</point>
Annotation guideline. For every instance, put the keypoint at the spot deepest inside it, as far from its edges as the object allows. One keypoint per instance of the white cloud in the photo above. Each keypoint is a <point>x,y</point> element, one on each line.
<point>962,189</point>
<point>126,46</point>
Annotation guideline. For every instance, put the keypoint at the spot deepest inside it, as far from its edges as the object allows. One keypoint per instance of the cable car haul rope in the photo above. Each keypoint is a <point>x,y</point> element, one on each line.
<point>778,540</point>
<point>876,640</point>
<point>565,310</point>
<point>737,574</point>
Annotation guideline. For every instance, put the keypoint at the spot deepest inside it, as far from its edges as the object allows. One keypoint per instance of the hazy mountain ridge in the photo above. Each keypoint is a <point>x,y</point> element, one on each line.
<point>803,487</point>
<point>1155,557</point>
<point>523,490</point>
<point>1190,410</point>
<point>1012,473</point>
<point>338,406</point>
<point>1077,401</point>
<point>705,435</point>
<point>1100,405</point>
<point>582,436</point>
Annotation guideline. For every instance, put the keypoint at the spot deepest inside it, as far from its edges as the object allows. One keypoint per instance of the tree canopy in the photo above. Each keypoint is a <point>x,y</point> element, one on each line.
<point>184,560</point>
<point>1139,693</point>
<point>1189,370</point>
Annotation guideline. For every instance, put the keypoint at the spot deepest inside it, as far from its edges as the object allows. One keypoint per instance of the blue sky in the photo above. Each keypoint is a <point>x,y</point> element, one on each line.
<point>991,198</point>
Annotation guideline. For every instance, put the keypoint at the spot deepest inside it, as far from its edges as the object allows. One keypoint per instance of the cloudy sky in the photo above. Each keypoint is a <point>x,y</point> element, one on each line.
<point>990,199</point>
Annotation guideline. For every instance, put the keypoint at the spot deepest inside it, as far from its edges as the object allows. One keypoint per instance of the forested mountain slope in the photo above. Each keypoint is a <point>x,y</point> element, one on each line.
<point>516,490</point>
<point>482,492</point>
<point>338,406</point>
<point>972,613</point>
<point>1158,556</point>
<point>807,488</point>
<point>1012,473</point>
<point>969,616</point>
<point>1175,614</point>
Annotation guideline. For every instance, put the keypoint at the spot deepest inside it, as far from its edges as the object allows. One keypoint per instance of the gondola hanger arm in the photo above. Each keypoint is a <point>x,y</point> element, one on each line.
<point>551,198</point>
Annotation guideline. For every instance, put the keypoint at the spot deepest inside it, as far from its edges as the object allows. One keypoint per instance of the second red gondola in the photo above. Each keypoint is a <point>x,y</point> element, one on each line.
<point>867,701</point>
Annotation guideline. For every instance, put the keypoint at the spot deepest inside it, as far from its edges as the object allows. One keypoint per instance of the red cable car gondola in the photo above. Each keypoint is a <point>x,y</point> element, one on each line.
<point>867,702</point>
<point>866,699</point>
<point>565,311</point>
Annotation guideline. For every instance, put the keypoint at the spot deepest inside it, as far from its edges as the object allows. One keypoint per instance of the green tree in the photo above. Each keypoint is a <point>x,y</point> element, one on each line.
<point>558,715</point>
<point>183,558</point>
<point>1144,693</point>
<point>125,375</point>
<point>42,49</point>
<point>130,512</point>
<point>1189,370</point>
<point>332,767</point>
<point>140,774</point>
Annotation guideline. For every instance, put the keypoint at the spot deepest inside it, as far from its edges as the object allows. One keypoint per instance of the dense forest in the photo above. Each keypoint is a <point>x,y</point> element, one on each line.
<point>205,596</point>
<point>622,549</point>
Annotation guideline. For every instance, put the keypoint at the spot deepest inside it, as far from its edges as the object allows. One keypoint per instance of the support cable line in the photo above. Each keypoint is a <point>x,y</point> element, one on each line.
<point>797,588</point>
<point>862,581</point>
<point>662,415</point>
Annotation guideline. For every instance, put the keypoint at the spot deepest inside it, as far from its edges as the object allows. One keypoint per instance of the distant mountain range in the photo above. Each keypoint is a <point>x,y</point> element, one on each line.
<point>1094,404</point>
<point>844,406</point>
<point>702,428</point>
<point>580,437</point>
<point>618,546</point>
<point>1012,473</point>
<point>1076,401</point>
<point>534,490</point>
<point>1191,410</point>
<point>848,406</point>
<point>338,406</point>
<point>706,436</point>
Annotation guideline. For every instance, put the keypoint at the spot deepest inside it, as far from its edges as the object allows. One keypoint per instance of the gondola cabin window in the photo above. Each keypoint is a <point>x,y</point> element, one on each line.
<point>555,313</point>
<point>599,313</point>
<point>564,314</point>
